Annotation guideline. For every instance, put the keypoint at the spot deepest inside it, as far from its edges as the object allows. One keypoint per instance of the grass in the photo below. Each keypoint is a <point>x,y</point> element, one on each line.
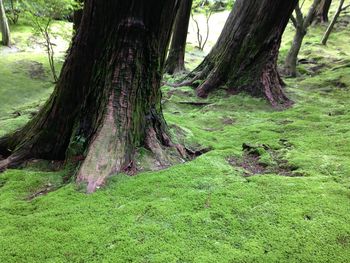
<point>204,210</point>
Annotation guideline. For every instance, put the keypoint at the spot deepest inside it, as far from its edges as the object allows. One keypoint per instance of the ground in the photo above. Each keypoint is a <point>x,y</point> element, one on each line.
<point>213,209</point>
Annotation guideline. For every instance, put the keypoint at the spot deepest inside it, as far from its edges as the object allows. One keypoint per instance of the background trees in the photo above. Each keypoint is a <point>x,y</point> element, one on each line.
<point>42,14</point>
<point>245,56</point>
<point>176,58</point>
<point>341,8</point>
<point>4,27</point>
<point>322,10</point>
<point>301,25</point>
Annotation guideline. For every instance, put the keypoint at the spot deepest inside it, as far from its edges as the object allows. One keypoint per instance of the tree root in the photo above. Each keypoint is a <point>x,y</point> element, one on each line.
<point>13,161</point>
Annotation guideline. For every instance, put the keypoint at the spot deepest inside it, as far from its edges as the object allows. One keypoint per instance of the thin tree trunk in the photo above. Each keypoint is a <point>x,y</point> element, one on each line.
<point>4,27</point>
<point>245,56</point>
<point>331,25</point>
<point>176,59</point>
<point>301,24</point>
<point>106,106</point>
<point>322,12</point>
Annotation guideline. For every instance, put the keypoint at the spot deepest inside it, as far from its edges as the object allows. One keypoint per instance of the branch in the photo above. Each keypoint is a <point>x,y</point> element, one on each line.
<point>299,15</point>
<point>345,7</point>
<point>311,13</point>
<point>294,21</point>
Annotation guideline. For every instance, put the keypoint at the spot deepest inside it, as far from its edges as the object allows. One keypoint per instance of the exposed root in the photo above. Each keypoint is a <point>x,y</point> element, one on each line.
<point>13,161</point>
<point>199,152</point>
<point>48,188</point>
<point>209,85</point>
<point>184,83</point>
<point>195,103</point>
<point>106,154</point>
<point>262,159</point>
<point>191,79</point>
<point>4,144</point>
<point>272,87</point>
<point>163,149</point>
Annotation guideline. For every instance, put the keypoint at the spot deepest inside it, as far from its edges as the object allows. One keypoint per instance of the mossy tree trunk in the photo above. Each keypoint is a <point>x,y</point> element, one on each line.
<point>245,56</point>
<point>176,59</point>
<point>4,27</point>
<point>106,108</point>
<point>322,12</point>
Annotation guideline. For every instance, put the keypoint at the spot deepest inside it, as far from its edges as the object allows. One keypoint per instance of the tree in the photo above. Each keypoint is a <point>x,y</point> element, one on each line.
<point>301,25</point>
<point>322,11</point>
<point>245,56</point>
<point>4,27</point>
<point>106,108</point>
<point>176,59</point>
<point>14,11</point>
<point>77,15</point>
<point>42,13</point>
<point>206,10</point>
<point>334,20</point>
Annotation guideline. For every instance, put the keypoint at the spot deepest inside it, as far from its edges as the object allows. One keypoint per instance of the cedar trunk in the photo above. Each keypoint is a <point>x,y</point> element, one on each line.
<point>245,56</point>
<point>176,59</point>
<point>106,108</point>
<point>4,27</point>
<point>77,16</point>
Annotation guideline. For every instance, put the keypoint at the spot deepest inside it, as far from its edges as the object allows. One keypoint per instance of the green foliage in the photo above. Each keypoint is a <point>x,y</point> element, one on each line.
<point>42,13</point>
<point>13,10</point>
<point>214,5</point>
<point>50,9</point>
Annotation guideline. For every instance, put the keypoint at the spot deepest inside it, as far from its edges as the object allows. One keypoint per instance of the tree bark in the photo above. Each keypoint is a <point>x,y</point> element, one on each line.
<point>176,59</point>
<point>332,24</point>
<point>322,12</point>
<point>245,56</point>
<point>4,27</point>
<point>77,16</point>
<point>106,107</point>
<point>301,25</point>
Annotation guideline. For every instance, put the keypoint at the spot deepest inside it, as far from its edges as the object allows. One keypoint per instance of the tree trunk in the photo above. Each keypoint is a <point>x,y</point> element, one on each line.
<point>301,25</point>
<point>245,56</point>
<point>322,12</point>
<point>332,24</point>
<point>4,27</point>
<point>77,16</point>
<point>176,58</point>
<point>290,65</point>
<point>106,108</point>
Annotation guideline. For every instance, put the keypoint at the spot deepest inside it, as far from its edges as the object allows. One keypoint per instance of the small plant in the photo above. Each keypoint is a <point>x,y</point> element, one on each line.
<point>42,13</point>
<point>207,7</point>
<point>13,11</point>
<point>202,7</point>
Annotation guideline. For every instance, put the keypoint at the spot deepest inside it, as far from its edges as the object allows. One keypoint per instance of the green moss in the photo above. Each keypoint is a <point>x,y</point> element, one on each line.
<point>205,210</point>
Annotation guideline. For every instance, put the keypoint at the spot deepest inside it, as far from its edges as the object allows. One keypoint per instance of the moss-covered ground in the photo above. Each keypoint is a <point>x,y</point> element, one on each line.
<point>206,210</point>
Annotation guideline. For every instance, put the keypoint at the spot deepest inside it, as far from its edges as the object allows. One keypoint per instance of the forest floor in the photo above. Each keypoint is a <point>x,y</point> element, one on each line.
<point>274,188</point>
